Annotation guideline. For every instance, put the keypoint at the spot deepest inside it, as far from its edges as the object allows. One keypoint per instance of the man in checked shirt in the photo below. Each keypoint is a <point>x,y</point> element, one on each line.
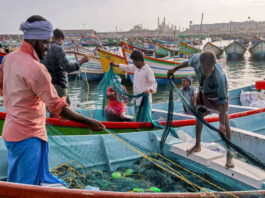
<point>58,65</point>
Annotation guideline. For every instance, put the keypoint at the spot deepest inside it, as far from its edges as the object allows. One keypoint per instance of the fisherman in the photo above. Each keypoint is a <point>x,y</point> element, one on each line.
<point>212,96</point>
<point>144,79</point>
<point>58,65</point>
<point>188,91</point>
<point>27,87</point>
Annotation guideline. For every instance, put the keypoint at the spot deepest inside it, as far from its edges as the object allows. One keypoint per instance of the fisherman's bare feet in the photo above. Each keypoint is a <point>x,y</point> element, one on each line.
<point>194,149</point>
<point>229,161</point>
<point>229,165</point>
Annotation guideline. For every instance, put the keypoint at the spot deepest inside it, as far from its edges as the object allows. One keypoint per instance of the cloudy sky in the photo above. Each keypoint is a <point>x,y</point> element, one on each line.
<point>105,15</point>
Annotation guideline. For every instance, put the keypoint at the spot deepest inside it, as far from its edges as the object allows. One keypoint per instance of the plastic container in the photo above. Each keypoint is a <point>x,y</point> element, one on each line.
<point>260,84</point>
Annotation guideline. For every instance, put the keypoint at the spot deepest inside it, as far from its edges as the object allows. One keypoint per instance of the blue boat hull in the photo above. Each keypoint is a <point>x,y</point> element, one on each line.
<point>91,76</point>
<point>235,56</point>
<point>108,153</point>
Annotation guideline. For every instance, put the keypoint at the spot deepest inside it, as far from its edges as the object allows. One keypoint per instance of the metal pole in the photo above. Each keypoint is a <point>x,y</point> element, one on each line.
<point>200,31</point>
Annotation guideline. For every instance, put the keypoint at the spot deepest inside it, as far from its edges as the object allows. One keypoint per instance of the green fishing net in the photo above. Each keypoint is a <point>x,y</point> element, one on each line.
<point>142,176</point>
<point>93,162</point>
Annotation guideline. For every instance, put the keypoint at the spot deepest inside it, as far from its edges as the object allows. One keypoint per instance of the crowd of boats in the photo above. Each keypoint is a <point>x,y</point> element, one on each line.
<point>247,126</point>
<point>161,55</point>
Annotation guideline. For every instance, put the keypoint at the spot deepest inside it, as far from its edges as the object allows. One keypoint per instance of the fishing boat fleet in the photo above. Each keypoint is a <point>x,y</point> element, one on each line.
<point>128,143</point>
<point>237,48</point>
<point>161,56</point>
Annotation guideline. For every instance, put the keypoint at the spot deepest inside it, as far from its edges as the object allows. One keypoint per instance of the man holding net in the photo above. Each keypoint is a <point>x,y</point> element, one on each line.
<point>212,95</point>
<point>144,79</point>
<point>26,86</point>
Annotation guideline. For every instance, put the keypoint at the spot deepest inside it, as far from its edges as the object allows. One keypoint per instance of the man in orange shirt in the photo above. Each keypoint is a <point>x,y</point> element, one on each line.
<point>26,86</point>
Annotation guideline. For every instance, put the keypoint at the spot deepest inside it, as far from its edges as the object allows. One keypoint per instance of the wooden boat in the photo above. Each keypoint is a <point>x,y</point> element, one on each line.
<point>208,165</point>
<point>257,51</point>
<point>147,52</point>
<point>185,49</point>
<point>106,57</point>
<point>249,132</point>
<point>90,71</point>
<point>235,50</point>
<point>243,41</point>
<point>159,111</point>
<point>215,49</point>
<point>214,39</point>
<point>254,40</point>
<point>160,68</point>
<point>113,41</point>
<point>163,51</point>
<point>23,190</point>
<point>148,45</point>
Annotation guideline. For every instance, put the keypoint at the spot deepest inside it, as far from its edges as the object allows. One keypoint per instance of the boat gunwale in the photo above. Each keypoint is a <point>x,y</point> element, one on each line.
<point>9,189</point>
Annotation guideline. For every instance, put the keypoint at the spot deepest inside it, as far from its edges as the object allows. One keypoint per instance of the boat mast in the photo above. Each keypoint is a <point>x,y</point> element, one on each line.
<point>200,32</point>
<point>174,48</point>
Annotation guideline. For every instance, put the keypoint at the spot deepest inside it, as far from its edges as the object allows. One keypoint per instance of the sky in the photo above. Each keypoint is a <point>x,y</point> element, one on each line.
<point>106,15</point>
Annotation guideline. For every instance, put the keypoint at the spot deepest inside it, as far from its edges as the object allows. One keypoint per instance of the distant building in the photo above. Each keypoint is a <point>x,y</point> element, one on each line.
<point>137,28</point>
<point>231,27</point>
<point>81,33</point>
<point>163,27</point>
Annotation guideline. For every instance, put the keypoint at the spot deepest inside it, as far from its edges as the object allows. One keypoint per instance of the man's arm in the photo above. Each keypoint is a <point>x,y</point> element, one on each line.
<point>69,114</point>
<point>182,65</point>
<point>126,68</point>
<point>114,64</point>
<point>64,62</point>
<point>40,84</point>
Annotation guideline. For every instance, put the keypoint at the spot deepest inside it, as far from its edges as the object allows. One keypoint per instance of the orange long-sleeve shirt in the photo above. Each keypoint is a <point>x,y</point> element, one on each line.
<point>26,86</point>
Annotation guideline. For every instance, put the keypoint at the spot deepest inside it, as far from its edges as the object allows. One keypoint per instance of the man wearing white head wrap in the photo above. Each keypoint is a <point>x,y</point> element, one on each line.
<point>26,86</point>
